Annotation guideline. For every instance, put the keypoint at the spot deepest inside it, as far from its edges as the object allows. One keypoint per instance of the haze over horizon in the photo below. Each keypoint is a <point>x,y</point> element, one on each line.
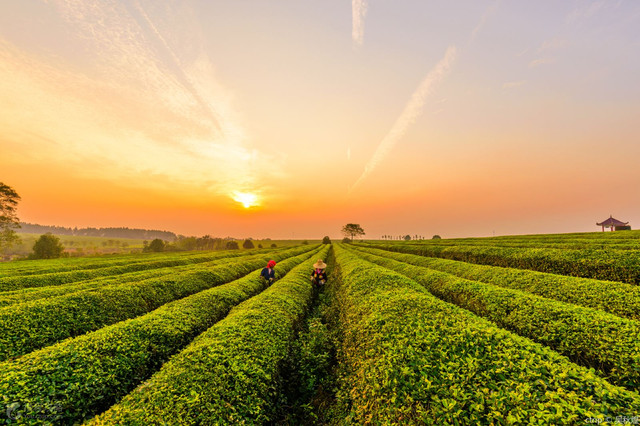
<point>290,119</point>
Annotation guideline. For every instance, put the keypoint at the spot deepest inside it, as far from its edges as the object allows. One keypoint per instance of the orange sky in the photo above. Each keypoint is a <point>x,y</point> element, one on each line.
<point>408,118</point>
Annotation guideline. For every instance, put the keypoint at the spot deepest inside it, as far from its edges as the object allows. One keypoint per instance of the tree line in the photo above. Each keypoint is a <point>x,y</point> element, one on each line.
<point>201,243</point>
<point>353,230</point>
<point>408,237</point>
<point>122,232</point>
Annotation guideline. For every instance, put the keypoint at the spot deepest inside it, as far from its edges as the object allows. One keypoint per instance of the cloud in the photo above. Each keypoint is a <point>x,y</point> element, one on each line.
<point>546,50</point>
<point>585,11</point>
<point>358,11</point>
<point>410,113</point>
<point>187,82</point>
<point>513,84</point>
<point>148,103</point>
<point>553,44</point>
<point>483,19</point>
<point>538,62</point>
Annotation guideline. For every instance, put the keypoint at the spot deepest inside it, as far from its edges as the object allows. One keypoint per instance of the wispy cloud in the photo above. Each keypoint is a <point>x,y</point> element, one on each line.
<point>538,62</point>
<point>185,79</point>
<point>410,113</point>
<point>513,84</point>
<point>546,51</point>
<point>358,11</point>
<point>585,11</point>
<point>553,44</point>
<point>483,19</point>
<point>149,104</point>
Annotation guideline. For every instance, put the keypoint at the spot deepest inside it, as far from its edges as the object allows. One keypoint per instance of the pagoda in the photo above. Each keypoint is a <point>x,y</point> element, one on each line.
<point>611,223</point>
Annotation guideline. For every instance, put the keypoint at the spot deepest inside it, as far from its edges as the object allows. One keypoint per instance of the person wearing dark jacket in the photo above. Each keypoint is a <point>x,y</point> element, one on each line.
<point>268,274</point>
<point>319,276</point>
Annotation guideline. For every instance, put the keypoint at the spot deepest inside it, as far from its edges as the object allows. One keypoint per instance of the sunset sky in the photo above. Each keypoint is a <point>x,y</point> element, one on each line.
<point>465,118</point>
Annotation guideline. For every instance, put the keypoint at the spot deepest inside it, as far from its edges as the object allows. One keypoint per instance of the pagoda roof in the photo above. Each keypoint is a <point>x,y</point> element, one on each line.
<point>612,222</point>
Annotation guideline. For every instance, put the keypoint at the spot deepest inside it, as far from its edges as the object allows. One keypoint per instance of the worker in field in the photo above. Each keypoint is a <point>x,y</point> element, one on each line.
<point>268,274</point>
<point>319,275</point>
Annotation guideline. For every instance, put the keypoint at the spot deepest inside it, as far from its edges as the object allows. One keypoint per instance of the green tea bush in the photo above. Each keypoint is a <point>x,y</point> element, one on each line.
<point>409,358</point>
<point>66,277</point>
<point>86,375</point>
<point>618,298</point>
<point>602,264</point>
<point>32,325</point>
<point>231,373</point>
<point>589,337</point>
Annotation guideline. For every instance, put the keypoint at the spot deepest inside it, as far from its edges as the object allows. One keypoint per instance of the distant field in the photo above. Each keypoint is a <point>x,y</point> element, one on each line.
<point>540,329</point>
<point>282,243</point>
<point>77,245</point>
<point>91,246</point>
<point>604,236</point>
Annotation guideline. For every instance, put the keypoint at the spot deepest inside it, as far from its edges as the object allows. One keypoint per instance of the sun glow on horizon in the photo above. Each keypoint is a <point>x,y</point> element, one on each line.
<point>247,199</point>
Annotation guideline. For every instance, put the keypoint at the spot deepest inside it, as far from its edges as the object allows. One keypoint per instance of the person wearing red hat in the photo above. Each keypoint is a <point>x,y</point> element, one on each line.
<point>268,274</point>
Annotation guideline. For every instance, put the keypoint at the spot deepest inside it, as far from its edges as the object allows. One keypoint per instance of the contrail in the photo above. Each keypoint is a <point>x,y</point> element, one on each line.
<point>483,19</point>
<point>186,82</point>
<point>358,10</point>
<point>186,118</point>
<point>411,111</point>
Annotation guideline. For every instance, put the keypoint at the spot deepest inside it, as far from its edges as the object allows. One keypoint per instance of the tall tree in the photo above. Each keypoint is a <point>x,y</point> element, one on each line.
<point>8,218</point>
<point>352,230</point>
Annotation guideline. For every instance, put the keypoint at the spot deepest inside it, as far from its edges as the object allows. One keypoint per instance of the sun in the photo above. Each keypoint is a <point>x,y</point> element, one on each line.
<point>247,199</point>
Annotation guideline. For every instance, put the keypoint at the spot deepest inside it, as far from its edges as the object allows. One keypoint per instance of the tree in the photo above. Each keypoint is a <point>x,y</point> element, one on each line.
<point>232,245</point>
<point>346,240</point>
<point>48,246</point>
<point>156,245</point>
<point>326,240</point>
<point>248,244</point>
<point>352,230</point>
<point>407,237</point>
<point>8,218</point>
<point>187,243</point>
<point>436,237</point>
<point>273,245</point>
